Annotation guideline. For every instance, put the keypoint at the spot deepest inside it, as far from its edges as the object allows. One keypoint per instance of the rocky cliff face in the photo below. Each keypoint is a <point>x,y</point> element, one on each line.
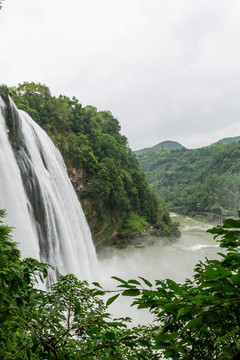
<point>103,224</point>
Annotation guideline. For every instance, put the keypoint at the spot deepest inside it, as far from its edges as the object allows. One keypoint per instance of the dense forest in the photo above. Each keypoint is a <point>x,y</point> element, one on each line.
<point>196,180</point>
<point>113,190</point>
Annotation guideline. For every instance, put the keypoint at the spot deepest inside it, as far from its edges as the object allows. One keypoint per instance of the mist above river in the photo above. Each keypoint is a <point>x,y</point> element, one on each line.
<point>164,259</point>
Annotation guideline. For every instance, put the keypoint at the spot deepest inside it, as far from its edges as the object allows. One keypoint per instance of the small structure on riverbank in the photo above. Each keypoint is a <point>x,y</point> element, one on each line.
<point>151,229</point>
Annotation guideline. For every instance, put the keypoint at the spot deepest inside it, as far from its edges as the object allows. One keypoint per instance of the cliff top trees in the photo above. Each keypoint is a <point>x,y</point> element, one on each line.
<point>91,141</point>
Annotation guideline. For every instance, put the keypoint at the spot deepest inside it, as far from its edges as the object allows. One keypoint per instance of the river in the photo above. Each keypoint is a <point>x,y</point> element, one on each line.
<point>164,259</point>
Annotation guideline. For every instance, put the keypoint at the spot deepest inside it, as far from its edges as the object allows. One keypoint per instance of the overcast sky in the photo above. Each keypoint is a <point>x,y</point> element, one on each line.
<point>166,69</point>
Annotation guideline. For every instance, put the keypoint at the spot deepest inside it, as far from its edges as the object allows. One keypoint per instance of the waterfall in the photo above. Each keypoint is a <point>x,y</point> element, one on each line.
<point>38,196</point>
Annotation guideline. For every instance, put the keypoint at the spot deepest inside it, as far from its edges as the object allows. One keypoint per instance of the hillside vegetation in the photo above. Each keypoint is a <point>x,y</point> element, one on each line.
<point>196,180</point>
<point>227,140</point>
<point>114,192</point>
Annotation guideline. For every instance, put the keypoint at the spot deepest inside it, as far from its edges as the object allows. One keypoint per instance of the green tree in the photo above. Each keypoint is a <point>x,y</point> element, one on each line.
<point>9,253</point>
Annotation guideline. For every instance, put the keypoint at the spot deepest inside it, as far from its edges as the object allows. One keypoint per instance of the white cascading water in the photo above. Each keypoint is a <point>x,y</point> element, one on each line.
<point>40,201</point>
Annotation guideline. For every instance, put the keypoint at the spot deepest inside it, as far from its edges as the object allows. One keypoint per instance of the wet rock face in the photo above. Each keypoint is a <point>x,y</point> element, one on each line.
<point>101,233</point>
<point>79,178</point>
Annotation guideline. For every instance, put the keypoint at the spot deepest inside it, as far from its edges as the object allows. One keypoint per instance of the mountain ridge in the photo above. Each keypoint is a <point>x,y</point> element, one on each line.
<point>205,179</point>
<point>169,145</point>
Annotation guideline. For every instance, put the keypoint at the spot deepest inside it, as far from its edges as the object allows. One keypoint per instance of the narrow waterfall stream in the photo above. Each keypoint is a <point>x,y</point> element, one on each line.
<point>39,198</point>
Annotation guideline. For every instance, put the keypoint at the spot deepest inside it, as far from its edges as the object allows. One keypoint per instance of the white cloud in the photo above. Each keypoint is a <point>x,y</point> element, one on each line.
<point>165,69</point>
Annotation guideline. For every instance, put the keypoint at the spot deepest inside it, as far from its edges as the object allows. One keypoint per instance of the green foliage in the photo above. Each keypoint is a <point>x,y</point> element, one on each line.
<point>9,253</point>
<point>67,322</point>
<point>133,224</point>
<point>91,143</point>
<point>4,91</point>
<point>227,140</point>
<point>198,319</point>
<point>199,180</point>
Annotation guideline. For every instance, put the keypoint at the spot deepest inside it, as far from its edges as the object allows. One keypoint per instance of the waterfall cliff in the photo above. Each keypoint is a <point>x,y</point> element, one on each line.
<point>39,198</point>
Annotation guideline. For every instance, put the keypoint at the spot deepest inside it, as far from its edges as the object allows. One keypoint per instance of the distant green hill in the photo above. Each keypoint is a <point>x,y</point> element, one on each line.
<point>197,180</point>
<point>167,145</point>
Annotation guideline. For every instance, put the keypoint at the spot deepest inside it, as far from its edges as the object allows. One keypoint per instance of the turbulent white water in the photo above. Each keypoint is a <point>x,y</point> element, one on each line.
<point>175,260</point>
<point>40,201</point>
